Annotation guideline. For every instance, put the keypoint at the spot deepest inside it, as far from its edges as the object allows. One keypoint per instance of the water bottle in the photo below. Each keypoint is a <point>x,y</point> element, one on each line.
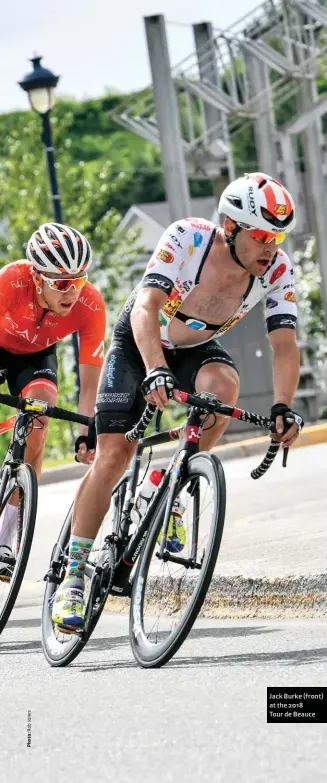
<point>176,533</point>
<point>142,501</point>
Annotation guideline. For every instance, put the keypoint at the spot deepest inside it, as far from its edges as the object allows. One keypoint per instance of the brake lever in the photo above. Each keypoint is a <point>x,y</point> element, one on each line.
<point>289,421</point>
<point>285,455</point>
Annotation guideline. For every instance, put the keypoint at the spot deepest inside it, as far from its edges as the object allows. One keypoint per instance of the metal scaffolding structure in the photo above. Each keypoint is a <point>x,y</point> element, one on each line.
<point>241,78</point>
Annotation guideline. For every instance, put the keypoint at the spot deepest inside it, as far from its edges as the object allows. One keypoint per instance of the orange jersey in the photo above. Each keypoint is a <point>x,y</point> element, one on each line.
<point>25,327</point>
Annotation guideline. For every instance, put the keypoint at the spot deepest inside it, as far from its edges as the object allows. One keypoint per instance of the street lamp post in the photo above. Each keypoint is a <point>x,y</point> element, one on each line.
<point>39,85</point>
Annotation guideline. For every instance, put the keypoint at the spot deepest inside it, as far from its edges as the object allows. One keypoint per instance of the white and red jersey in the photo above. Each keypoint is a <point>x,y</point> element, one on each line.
<point>175,268</point>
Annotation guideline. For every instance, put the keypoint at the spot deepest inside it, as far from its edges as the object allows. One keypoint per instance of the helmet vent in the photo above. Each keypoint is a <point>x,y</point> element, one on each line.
<point>236,201</point>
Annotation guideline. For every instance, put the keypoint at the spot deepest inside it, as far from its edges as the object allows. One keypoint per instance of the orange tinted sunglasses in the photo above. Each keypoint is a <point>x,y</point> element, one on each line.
<point>64,284</point>
<point>264,236</point>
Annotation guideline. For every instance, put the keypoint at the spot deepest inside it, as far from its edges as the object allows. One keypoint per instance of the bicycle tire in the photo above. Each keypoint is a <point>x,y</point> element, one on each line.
<point>25,480</point>
<point>57,654</point>
<point>150,655</point>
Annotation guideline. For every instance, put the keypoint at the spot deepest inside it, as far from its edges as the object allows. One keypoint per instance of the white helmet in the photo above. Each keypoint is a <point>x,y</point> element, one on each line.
<point>57,248</point>
<point>259,201</point>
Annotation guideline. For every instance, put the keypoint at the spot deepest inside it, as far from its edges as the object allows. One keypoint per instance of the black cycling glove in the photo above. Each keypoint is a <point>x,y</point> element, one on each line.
<point>158,376</point>
<point>289,417</point>
<point>89,440</point>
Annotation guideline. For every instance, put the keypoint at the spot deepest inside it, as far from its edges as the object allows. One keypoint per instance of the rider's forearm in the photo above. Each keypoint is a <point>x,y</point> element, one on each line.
<point>146,331</point>
<point>286,372</point>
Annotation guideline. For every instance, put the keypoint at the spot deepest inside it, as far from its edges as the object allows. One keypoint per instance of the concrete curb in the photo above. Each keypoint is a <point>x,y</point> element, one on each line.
<point>239,597</point>
<point>311,435</point>
<point>234,597</point>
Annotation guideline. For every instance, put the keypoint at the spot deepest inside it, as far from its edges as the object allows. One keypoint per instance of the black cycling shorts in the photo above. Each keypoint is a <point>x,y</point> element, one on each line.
<point>120,403</point>
<point>20,369</point>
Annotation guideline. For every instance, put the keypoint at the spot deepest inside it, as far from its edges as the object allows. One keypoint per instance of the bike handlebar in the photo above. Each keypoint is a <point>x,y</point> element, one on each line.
<point>209,403</point>
<point>23,403</point>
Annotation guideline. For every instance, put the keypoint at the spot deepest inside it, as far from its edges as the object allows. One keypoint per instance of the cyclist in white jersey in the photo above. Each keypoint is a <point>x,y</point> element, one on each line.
<point>200,281</point>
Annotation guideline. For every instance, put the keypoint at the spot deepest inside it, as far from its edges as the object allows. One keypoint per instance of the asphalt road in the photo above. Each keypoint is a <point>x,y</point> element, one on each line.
<point>202,716</point>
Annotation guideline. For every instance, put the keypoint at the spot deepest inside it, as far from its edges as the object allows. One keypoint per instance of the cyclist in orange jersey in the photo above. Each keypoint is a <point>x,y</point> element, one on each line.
<point>42,300</point>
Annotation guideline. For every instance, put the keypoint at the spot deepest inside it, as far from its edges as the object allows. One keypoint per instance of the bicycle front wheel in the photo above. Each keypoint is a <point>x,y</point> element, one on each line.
<point>169,589</point>
<point>25,482</point>
<point>60,649</point>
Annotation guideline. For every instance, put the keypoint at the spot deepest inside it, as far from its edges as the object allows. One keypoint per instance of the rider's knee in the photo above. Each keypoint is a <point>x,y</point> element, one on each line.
<point>113,455</point>
<point>230,387</point>
<point>220,379</point>
<point>38,434</point>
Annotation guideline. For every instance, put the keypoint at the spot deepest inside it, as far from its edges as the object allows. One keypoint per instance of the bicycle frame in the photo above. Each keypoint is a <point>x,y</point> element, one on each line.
<point>189,445</point>
<point>16,450</point>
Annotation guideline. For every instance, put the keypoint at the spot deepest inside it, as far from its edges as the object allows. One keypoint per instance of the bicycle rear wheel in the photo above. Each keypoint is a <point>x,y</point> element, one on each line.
<point>168,593</point>
<point>24,480</point>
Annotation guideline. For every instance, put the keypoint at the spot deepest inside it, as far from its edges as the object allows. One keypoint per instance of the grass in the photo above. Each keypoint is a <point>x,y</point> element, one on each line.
<point>56,463</point>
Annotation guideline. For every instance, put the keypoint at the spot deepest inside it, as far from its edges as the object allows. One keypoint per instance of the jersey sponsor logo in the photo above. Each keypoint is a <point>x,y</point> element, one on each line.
<point>280,209</point>
<point>290,296</point>
<point>84,300</point>
<point>180,229</point>
<point>166,257</point>
<point>175,240</point>
<point>167,244</point>
<point>271,302</point>
<point>113,424</point>
<point>18,284</point>
<point>197,239</point>
<point>173,303</point>
<point>180,286</point>
<point>289,285</point>
<point>49,322</point>
<point>232,322</point>
<point>280,321</point>
<point>157,282</point>
<point>278,272</point>
<point>187,284</point>
<point>196,224</point>
<point>99,351</point>
<point>111,372</point>
<point>119,398</point>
